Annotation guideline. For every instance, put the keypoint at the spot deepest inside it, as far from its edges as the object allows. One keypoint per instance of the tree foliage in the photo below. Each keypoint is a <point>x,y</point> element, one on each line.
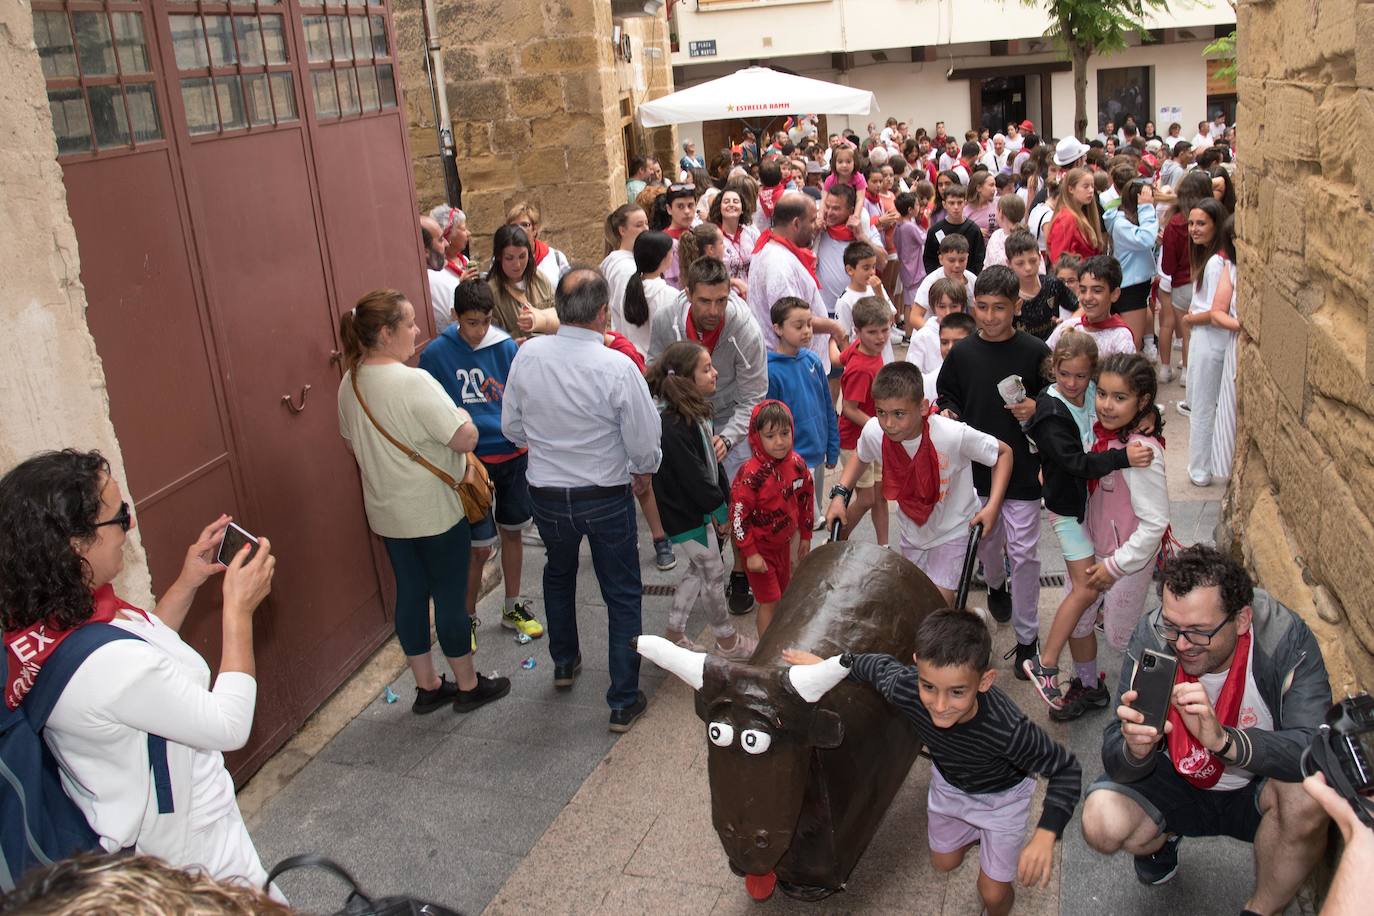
<point>1224,48</point>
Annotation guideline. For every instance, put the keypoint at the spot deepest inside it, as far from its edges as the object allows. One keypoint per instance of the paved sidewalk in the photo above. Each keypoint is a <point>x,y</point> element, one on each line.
<point>531,805</point>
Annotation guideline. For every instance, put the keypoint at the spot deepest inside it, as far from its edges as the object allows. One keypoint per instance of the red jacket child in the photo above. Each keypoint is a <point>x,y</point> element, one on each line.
<point>772,498</point>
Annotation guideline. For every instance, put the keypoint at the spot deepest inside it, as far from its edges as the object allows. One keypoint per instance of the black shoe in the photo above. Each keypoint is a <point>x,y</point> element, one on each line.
<point>488,689</point>
<point>999,604</point>
<point>1023,652</point>
<point>1080,699</point>
<point>426,701</point>
<point>1160,867</point>
<point>622,719</point>
<point>737,594</point>
<point>565,674</point>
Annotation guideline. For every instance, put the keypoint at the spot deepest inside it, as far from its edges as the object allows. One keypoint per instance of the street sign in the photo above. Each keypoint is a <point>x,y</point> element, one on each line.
<point>701,48</point>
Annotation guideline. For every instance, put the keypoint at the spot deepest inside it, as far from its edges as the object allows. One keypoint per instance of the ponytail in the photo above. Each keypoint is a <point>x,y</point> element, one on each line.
<point>670,380</point>
<point>636,304</point>
<point>691,244</point>
<point>650,249</point>
<point>360,328</point>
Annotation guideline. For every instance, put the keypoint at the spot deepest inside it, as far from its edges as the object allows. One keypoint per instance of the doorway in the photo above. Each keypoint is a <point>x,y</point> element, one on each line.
<point>1003,102</point>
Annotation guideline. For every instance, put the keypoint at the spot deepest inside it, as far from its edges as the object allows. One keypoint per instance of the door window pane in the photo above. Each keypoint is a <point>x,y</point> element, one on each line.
<point>386,84</point>
<point>199,99</point>
<point>339,38</point>
<point>362,43</point>
<point>54,42</point>
<point>274,38</point>
<point>348,93</point>
<point>107,111</point>
<point>93,44</point>
<point>142,99</point>
<point>1122,91</point>
<point>326,98</point>
<point>284,95</point>
<point>316,39</point>
<point>220,31</point>
<point>231,113</point>
<point>379,48</point>
<point>188,42</point>
<point>69,121</point>
<point>367,88</point>
<point>133,49</point>
<point>258,98</point>
<point>250,40</point>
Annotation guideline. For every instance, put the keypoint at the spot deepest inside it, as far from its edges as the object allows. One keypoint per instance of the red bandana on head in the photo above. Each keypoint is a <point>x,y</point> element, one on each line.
<point>1191,760</point>
<point>912,480</point>
<point>805,255</point>
<point>28,649</point>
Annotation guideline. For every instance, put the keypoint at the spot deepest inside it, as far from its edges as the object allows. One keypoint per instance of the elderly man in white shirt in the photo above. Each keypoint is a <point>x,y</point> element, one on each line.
<point>585,414</point>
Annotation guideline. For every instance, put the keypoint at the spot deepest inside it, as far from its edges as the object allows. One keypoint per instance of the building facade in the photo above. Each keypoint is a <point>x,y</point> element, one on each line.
<point>969,63</point>
<point>542,95</point>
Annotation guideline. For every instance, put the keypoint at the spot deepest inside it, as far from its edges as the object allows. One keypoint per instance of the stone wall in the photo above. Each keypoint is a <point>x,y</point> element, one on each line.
<point>534,90</point>
<point>1301,504</point>
<point>52,385</point>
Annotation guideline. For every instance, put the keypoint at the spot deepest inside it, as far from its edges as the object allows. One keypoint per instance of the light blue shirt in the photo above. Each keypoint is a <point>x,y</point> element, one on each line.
<point>583,411</point>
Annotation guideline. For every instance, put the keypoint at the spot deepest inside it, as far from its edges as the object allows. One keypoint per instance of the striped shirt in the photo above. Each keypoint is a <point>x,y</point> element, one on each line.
<point>992,752</point>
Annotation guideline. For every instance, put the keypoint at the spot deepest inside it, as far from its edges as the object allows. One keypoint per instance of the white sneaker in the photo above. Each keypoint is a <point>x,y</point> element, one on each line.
<point>1205,482</point>
<point>1165,374</point>
<point>1183,409</point>
<point>1183,376</point>
<point>1150,351</point>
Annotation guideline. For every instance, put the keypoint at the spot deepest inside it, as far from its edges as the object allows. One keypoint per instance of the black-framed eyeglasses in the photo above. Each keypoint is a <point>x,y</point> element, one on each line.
<point>1200,638</point>
<point>124,518</point>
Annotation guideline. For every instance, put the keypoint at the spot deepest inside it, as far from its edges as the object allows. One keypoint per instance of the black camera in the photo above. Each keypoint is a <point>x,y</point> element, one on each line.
<point>1343,750</point>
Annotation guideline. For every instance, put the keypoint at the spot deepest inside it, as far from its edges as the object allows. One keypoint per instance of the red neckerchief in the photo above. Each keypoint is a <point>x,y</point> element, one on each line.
<point>768,198</point>
<point>675,232</point>
<point>1192,761</point>
<point>912,480</point>
<point>457,265</point>
<point>840,233</point>
<point>805,255</point>
<point>871,195</point>
<point>541,250</point>
<point>28,649</point>
<point>734,239</point>
<point>707,340</point>
<point>1106,324</point>
<point>1101,443</point>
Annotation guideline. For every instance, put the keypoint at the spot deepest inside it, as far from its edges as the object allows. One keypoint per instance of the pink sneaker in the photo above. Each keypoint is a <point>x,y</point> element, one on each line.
<point>1044,679</point>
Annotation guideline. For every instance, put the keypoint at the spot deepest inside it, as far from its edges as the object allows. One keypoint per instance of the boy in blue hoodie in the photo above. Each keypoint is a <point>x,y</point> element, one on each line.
<point>471,359</point>
<point>797,378</point>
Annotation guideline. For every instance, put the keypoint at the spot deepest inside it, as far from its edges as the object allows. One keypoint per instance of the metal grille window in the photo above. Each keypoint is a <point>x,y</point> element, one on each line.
<point>352,69</point>
<point>99,75</point>
<point>233,64</point>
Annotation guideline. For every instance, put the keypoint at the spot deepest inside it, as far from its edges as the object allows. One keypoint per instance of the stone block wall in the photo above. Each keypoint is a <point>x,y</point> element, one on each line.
<point>535,90</point>
<point>1301,504</point>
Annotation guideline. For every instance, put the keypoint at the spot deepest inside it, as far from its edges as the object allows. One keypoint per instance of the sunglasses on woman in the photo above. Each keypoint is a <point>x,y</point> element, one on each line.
<point>124,518</point>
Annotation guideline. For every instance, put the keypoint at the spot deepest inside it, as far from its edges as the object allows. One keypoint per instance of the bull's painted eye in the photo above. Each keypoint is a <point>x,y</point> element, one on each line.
<point>754,741</point>
<point>722,733</point>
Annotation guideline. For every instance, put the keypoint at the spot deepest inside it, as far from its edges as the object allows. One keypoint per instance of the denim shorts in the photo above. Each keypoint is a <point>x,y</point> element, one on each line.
<point>510,507</point>
<point>1073,538</point>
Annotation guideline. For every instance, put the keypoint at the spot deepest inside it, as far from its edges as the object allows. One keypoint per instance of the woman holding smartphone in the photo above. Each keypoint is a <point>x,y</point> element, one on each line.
<point>132,702</point>
<point>418,517</point>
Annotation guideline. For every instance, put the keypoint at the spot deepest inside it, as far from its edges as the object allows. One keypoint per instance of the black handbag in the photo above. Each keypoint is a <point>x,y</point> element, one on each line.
<point>358,903</point>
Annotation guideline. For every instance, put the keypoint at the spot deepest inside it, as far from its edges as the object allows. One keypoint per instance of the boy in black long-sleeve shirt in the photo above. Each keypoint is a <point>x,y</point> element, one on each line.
<point>984,749</point>
<point>954,224</point>
<point>967,389</point>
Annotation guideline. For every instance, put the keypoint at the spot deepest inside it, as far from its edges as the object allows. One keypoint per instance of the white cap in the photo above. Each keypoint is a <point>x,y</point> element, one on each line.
<point>1069,151</point>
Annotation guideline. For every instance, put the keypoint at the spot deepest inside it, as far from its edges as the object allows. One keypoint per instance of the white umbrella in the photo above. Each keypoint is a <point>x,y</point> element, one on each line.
<point>756,92</point>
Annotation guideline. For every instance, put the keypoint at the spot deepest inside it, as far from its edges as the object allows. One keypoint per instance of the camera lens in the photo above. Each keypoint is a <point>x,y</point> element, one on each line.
<point>1148,661</point>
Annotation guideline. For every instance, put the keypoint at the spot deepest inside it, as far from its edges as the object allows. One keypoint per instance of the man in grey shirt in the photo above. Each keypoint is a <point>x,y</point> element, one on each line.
<point>592,431</point>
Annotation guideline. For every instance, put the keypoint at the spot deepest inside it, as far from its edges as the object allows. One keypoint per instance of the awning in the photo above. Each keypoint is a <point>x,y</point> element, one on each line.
<point>756,92</point>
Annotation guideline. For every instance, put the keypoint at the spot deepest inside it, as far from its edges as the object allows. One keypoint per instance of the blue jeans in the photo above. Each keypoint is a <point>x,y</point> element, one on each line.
<point>608,523</point>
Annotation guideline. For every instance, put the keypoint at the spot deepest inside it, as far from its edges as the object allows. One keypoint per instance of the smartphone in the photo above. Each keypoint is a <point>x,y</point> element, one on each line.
<point>234,539</point>
<point>1153,683</point>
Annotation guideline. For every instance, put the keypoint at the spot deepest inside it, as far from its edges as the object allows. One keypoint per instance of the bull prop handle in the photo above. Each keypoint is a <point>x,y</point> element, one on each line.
<point>970,558</point>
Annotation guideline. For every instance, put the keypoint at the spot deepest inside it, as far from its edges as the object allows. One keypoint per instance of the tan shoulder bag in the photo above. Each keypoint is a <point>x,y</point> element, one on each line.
<point>474,490</point>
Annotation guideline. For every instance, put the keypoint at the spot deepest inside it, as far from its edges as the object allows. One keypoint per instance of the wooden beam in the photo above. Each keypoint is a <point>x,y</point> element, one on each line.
<point>923,55</point>
<point>982,73</point>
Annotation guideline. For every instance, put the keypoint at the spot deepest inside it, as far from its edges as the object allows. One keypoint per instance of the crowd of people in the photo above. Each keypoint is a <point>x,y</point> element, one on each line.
<point>939,334</point>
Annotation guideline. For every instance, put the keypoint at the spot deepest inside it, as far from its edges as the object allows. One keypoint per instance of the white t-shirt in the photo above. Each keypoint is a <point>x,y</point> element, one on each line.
<point>930,379</point>
<point>617,267</point>
<point>958,445</point>
<point>830,263</point>
<point>402,498</point>
<point>553,267</point>
<point>443,284</point>
<point>924,349</point>
<point>1112,340</point>
<point>923,291</point>
<point>844,314</point>
<point>1253,714</point>
<point>1041,215</point>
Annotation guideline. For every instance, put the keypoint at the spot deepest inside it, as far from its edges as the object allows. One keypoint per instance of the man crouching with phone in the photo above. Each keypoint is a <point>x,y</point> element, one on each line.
<point>1249,692</point>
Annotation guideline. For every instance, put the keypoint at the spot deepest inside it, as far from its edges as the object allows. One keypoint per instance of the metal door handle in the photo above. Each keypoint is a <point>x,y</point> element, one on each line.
<point>286,399</point>
<point>335,357</point>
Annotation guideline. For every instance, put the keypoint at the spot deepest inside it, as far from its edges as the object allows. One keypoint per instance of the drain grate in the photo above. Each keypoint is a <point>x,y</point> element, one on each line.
<point>1051,581</point>
<point>662,591</point>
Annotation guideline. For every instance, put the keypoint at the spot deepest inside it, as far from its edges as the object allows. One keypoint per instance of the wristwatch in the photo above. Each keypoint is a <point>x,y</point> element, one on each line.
<point>1230,743</point>
<point>841,491</point>
<point>728,444</point>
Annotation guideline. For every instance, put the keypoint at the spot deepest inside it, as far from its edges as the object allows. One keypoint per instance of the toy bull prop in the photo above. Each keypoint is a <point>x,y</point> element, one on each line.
<point>803,765</point>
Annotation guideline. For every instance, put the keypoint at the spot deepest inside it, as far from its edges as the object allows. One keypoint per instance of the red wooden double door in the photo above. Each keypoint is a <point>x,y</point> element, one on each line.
<point>238,175</point>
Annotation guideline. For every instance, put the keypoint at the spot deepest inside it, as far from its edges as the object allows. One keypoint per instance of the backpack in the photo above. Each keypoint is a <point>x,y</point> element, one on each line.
<point>39,824</point>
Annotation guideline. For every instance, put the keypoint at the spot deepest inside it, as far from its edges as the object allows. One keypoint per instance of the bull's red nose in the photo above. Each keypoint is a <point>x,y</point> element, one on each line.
<point>760,887</point>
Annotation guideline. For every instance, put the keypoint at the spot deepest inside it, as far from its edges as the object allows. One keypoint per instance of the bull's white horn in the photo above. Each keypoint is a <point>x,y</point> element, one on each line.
<point>814,681</point>
<point>685,663</point>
